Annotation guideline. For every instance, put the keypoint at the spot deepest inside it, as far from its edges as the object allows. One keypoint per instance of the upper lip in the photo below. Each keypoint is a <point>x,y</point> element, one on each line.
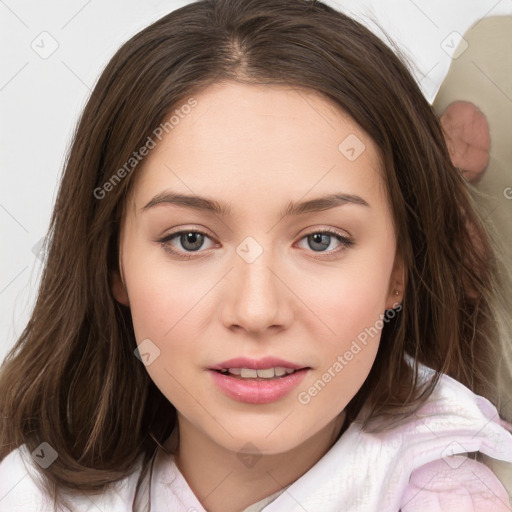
<point>257,364</point>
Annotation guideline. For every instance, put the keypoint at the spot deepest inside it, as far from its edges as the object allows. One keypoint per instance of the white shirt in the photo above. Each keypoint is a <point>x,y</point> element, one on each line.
<point>417,466</point>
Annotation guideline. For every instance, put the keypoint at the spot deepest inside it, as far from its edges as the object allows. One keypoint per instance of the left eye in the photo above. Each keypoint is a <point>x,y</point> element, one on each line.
<point>321,240</point>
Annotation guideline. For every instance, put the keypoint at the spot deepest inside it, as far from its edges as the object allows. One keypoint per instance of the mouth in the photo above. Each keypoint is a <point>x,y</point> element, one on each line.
<point>257,386</point>
<point>259,374</point>
<point>267,368</point>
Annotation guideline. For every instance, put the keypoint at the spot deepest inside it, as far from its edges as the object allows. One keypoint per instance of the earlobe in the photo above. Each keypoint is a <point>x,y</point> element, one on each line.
<point>119,289</point>
<point>394,299</point>
<point>396,284</point>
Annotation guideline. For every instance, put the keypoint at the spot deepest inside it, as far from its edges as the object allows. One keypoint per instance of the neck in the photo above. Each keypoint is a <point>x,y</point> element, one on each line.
<point>227,481</point>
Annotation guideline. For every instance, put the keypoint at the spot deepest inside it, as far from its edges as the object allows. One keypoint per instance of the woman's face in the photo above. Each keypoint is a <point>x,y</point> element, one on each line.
<point>259,284</point>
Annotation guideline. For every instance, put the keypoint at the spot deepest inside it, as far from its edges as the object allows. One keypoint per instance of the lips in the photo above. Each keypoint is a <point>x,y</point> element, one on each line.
<point>257,391</point>
<point>257,364</point>
<point>246,388</point>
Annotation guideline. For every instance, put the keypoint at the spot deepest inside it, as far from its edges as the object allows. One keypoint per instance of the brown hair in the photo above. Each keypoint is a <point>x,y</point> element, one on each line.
<point>72,379</point>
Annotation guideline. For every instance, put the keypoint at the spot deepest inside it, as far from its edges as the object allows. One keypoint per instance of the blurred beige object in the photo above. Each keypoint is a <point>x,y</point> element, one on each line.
<point>481,73</point>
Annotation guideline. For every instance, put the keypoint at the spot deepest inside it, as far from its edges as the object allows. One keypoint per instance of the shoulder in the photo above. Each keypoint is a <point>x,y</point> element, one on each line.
<point>440,440</point>
<point>457,483</point>
<point>18,489</point>
<point>22,489</point>
<point>453,420</point>
<point>426,455</point>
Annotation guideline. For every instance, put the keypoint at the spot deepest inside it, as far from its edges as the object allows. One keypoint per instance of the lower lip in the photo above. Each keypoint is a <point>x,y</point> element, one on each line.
<point>254,391</point>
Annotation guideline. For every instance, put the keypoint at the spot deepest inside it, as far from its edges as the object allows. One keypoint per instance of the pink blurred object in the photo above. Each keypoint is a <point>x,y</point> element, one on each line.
<point>467,137</point>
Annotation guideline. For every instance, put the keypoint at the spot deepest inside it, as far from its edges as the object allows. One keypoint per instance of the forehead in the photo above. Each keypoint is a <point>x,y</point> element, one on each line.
<point>247,141</point>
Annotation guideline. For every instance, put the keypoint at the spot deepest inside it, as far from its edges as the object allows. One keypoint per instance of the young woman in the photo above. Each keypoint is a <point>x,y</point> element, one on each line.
<point>267,287</point>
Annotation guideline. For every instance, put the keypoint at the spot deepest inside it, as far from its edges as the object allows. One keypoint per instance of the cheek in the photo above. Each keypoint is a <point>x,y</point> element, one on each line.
<point>350,299</point>
<point>350,345</point>
<point>164,296</point>
<point>154,307</point>
<point>166,309</point>
<point>367,302</point>
<point>350,305</point>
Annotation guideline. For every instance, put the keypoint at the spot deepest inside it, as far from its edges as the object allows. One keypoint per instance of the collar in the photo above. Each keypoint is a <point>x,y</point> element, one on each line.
<point>370,471</point>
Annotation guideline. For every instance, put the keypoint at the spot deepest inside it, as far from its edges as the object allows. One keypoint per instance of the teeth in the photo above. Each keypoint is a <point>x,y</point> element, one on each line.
<point>268,373</point>
<point>246,373</point>
<point>264,374</point>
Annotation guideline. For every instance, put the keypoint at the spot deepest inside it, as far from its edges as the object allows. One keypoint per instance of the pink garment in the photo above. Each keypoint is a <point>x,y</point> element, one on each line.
<point>463,485</point>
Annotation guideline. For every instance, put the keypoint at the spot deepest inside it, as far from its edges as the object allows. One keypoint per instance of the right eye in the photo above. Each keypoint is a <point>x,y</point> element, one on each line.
<point>190,240</point>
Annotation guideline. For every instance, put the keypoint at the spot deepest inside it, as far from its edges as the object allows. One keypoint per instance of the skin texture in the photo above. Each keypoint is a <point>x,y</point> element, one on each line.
<point>468,139</point>
<point>257,147</point>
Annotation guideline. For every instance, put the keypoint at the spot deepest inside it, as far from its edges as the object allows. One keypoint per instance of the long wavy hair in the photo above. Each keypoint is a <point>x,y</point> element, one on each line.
<point>72,379</point>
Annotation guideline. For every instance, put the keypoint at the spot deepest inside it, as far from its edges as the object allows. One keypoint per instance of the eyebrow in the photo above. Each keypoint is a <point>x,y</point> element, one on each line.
<point>293,208</point>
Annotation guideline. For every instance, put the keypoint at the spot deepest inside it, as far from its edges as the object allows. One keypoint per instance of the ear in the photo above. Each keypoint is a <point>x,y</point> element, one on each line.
<point>397,282</point>
<point>119,289</point>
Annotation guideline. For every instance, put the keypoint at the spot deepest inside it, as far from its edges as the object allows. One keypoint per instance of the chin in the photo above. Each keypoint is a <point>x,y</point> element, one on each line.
<point>266,441</point>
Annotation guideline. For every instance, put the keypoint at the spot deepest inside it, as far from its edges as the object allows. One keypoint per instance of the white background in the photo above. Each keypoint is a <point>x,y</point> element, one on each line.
<point>41,99</point>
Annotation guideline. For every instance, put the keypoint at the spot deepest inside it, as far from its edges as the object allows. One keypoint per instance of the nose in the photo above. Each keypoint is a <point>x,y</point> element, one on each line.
<point>257,296</point>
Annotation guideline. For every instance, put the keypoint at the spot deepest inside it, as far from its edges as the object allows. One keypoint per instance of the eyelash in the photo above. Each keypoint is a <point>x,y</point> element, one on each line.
<point>346,242</point>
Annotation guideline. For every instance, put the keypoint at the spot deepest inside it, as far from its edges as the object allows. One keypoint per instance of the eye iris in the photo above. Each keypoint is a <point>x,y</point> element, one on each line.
<point>196,239</point>
<point>317,239</point>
